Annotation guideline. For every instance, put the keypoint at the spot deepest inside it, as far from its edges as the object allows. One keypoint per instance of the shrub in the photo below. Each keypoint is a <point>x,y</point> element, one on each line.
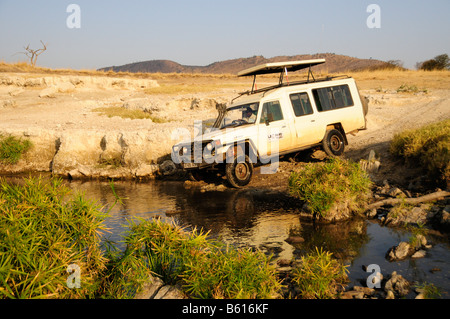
<point>428,146</point>
<point>12,148</point>
<point>440,62</point>
<point>320,276</point>
<point>322,185</point>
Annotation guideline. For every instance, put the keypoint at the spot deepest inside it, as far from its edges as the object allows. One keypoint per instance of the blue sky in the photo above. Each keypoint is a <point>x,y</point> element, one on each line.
<point>200,32</point>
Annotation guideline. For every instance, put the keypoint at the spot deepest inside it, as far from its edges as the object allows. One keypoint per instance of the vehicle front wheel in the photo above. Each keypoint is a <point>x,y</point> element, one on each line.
<point>239,173</point>
<point>333,143</point>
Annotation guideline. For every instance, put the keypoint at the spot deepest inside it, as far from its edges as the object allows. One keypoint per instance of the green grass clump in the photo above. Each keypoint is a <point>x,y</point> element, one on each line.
<point>320,276</point>
<point>12,148</point>
<point>127,113</point>
<point>204,268</point>
<point>429,146</point>
<point>321,185</point>
<point>43,230</point>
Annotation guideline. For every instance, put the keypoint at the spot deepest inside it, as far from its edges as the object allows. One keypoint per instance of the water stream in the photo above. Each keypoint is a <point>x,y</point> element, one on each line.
<point>264,219</point>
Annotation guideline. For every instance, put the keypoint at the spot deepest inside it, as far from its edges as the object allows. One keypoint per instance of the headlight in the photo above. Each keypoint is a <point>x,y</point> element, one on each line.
<point>209,147</point>
<point>176,149</point>
<point>185,150</point>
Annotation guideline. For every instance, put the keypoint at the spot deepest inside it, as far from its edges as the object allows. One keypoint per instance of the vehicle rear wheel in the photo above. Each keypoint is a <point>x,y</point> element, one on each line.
<point>333,143</point>
<point>239,173</point>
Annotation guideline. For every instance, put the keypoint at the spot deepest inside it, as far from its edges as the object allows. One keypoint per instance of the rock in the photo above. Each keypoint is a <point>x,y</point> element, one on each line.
<point>390,295</point>
<point>444,217</point>
<point>372,164</point>
<point>396,192</point>
<point>284,262</point>
<point>146,170</point>
<point>399,216</point>
<point>372,213</point>
<point>65,87</point>
<point>366,290</point>
<point>399,252</point>
<point>352,294</point>
<point>212,187</point>
<point>154,288</point>
<point>419,254</point>
<point>167,168</point>
<point>398,285</point>
<point>48,92</point>
<point>420,242</point>
<point>169,292</point>
<point>150,288</point>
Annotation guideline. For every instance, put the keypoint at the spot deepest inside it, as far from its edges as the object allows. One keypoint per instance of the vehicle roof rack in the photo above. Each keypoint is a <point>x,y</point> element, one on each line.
<point>282,68</point>
<point>278,67</point>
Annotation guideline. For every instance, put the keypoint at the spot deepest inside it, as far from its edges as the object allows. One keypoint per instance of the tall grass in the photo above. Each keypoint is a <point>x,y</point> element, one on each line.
<point>42,232</point>
<point>428,146</point>
<point>320,276</point>
<point>321,185</point>
<point>12,148</point>
<point>188,258</point>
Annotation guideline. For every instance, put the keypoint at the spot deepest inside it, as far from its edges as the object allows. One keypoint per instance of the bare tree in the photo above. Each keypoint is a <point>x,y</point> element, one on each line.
<point>33,54</point>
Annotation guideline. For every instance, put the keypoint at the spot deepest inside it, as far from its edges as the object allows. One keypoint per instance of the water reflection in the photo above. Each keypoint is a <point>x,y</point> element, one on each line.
<point>244,218</point>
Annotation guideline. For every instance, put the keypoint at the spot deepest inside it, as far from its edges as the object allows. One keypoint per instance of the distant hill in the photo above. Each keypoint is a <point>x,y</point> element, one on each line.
<point>335,63</point>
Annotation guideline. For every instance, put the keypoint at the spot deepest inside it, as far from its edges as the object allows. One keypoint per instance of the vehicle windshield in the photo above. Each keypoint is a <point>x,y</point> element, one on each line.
<point>240,115</point>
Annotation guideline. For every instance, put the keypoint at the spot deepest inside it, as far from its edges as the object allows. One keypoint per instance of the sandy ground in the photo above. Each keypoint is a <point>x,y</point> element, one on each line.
<point>25,107</point>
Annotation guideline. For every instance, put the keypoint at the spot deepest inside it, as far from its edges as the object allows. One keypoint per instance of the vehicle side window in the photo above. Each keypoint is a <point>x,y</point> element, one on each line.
<point>331,98</point>
<point>301,104</point>
<point>272,112</point>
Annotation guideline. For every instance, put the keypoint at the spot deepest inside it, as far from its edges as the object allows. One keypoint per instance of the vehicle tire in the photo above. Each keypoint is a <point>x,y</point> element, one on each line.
<point>239,173</point>
<point>334,143</point>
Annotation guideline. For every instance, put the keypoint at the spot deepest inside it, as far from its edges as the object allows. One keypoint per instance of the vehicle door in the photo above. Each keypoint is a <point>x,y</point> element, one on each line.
<point>274,132</point>
<point>308,129</point>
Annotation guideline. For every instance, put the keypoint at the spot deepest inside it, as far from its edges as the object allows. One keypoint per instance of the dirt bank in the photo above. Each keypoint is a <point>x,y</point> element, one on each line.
<point>59,114</point>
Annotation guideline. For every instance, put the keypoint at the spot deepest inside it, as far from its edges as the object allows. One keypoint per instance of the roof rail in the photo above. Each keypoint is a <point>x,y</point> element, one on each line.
<point>269,88</point>
<point>282,68</point>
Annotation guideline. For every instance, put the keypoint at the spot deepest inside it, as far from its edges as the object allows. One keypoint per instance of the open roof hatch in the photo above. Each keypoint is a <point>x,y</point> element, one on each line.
<point>279,67</point>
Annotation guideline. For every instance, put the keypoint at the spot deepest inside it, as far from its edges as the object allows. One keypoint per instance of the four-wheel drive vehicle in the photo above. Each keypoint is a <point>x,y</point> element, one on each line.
<point>261,125</point>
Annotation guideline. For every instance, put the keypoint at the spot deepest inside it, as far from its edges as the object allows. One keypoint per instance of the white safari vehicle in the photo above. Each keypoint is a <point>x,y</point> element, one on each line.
<point>262,124</point>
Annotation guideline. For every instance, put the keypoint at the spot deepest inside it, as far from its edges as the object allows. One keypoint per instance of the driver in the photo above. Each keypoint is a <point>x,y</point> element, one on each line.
<point>248,115</point>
